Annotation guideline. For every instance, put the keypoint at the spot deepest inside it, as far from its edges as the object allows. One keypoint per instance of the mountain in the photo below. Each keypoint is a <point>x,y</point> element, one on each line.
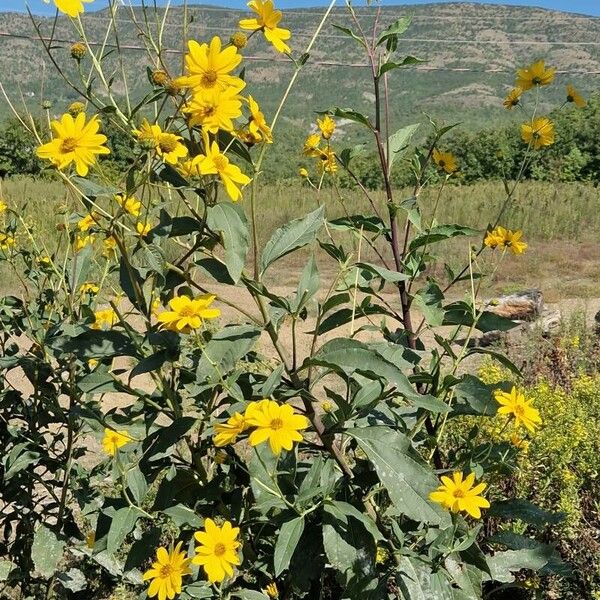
<point>471,53</point>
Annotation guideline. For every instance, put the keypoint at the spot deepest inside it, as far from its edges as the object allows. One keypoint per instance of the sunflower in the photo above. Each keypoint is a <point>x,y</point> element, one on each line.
<point>500,237</point>
<point>167,145</point>
<point>74,141</point>
<point>258,126</point>
<point>214,110</point>
<point>326,126</point>
<point>187,314</point>
<point>515,405</point>
<point>209,66</point>
<point>534,75</point>
<point>226,433</point>
<point>218,550</point>
<point>129,204</point>
<point>445,161</point>
<point>72,8</point>
<point>278,424</point>
<point>459,495</point>
<point>267,20</point>
<point>538,133</point>
<point>167,572</point>
<point>105,319</point>
<point>216,163</point>
<point>113,440</point>
<point>574,96</point>
<point>513,99</point>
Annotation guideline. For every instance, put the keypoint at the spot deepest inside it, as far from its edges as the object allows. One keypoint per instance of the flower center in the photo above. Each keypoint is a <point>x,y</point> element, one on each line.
<point>186,311</point>
<point>276,424</point>
<point>68,145</point>
<point>219,549</point>
<point>570,98</point>
<point>209,78</point>
<point>220,163</point>
<point>536,81</point>
<point>208,111</point>
<point>165,571</point>
<point>519,410</point>
<point>458,493</point>
<point>442,163</point>
<point>167,143</point>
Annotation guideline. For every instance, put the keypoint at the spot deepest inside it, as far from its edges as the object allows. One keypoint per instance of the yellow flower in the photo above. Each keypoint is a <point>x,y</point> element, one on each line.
<point>458,495</point>
<point>78,50</point>
<point>302,172</point>
<point>93,363</point>
<point>216,163</point>
<point>226,433</point>
<point>328,161</point>
<point>208,67</point>
<point>218,549</point>
<point>128,204</point>
<point>276,423</point>
<point>105,319</point>
<point>271,590</point>
<point>257,126</point>
<point>516,405</point>
<point>187,314</point>
<point>311,145</point>
<point>518,442</point>
<point>189,168</point>
<point>81,241</point>
<point>267,19</point>
<point>44,261</point>
<point>143,228</point>
<point>445,161</point>
<point>167,145</point>
<point>87,222</point>
<point>214,109</point>
<point>167,572</point>
<point>326,126</point>
<point>513,98</point>
<point>248,138</point>
<point>538,133</point>
<point>3,206</point>
<point>73,8</point>
<point>382,555</point>
<point>109,247</point>
<point>535,74</point>
<point>574,96</point>
<point>507,239</point>
<point>113,440</point>
<point>88,288</point>
<point>6,242</point>
<point>74,141</point>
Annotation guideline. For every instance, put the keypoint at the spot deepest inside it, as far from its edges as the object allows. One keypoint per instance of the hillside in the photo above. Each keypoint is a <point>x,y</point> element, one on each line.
<point>471,53</point>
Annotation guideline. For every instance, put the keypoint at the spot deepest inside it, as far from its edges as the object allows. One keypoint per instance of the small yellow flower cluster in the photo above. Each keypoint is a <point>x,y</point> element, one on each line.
<point>276,423</point>
<point>499,237</point>
<point>217,553</point>
<point>325,155</point>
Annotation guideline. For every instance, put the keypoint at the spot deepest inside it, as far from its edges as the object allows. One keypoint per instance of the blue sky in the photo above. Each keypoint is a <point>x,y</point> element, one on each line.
<point>590,7</point>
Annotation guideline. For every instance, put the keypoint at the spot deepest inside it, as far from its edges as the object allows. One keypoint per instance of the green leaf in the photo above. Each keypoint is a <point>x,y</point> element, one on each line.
<point>308,285</point>
<point>122,524</point>
<point>224,350</point>
<point>475,397</point>
<point>441,233</point>
<point>18,459</point>
<point>382,272</point>
<point>262,468</point>
<point>46,551</point>
<point>291,236</point>
<point>99,382</point>
<point>371,224</point>
<point>6,566</point>
<point>349,356</point>
<point>182,515</point>
<point>92,189</point>
<point>395,29</point>
<point>137,484</point>
<point>100,344</point>
<point>230,222</point>
<point>524,511</point>
<point>349,548</point>
<point>352,115</point>
<point>503,360</point>
<point>504,564</point>
<point>428,300</point>
<point>407,478</point>
<point>351,34</point>
<point>73,580</point>
<point>344,510</point>
<point>418,582</point>
<point>249,595</point>
<point>287,541</point>
<point>400,140</point>
<point>390,65</point>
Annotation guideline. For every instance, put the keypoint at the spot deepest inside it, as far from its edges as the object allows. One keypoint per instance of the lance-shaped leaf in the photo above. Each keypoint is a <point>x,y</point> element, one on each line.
<point>407,478</point>
<point>400,140</point>
<point>293,235</point>
<point>287,540</point>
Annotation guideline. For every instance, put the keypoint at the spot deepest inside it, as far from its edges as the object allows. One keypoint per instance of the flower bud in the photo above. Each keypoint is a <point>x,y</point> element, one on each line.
<point>159,77</point>
<point>239,40</point>
<point>78,50</point>
<point>75,108</point>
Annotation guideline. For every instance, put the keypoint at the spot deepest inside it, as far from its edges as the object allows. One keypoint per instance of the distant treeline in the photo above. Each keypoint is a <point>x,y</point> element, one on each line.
<point>490,154</point>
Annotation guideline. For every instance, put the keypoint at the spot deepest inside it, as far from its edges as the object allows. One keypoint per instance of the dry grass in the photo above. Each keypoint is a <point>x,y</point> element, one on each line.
<point>561,223</point>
